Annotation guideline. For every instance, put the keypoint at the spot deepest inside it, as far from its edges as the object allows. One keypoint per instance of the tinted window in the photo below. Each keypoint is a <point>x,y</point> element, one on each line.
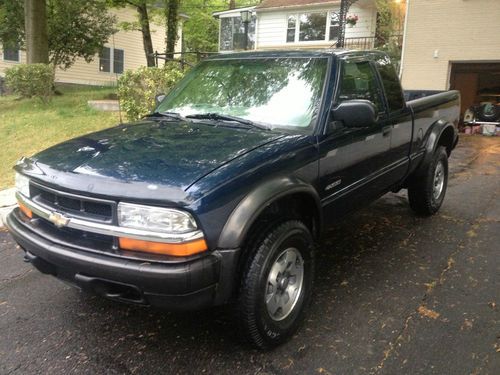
<point>392,87</point>
<point>359,82</point>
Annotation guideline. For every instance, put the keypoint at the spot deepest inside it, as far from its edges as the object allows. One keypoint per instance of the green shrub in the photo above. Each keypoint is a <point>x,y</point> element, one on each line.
<point>31,80</point>
<point>137,89</point>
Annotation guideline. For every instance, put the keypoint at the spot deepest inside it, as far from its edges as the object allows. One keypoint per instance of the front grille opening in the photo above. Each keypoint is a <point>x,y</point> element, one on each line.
<point>48,197</point>
<point>97,209</point>
<point>87,208</point>
<point>69,203</point>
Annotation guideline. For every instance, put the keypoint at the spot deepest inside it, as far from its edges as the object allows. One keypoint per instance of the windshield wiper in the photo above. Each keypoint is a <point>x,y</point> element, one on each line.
<point>173,115</point>
<point>221,117</point>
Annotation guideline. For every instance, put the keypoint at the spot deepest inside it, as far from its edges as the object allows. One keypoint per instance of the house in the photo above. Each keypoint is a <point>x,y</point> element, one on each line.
<point>123,51</point>
<point>453,44</point>
<point>282,24</point>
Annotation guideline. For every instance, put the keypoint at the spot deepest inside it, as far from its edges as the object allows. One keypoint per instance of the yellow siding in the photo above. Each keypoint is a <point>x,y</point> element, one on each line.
<point>130,41</point>
<point>442,31</point>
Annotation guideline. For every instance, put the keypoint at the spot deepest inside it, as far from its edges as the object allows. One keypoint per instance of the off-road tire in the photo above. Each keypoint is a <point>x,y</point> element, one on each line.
<point>259,328</point>
<point>422,186</point>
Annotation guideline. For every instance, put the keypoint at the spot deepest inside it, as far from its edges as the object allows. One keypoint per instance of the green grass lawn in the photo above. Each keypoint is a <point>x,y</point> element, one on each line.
<point>28,126</point>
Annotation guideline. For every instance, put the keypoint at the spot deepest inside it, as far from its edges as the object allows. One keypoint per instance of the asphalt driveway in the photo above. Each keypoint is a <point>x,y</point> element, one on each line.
<point>395,294</point>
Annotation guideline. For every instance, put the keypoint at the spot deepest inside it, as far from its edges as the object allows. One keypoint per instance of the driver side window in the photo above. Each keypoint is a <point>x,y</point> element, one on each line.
<point>359,81</point>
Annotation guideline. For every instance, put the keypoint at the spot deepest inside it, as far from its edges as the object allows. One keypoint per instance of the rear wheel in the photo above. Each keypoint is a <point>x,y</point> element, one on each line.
<point>276,284</point>
<point>426,191</point>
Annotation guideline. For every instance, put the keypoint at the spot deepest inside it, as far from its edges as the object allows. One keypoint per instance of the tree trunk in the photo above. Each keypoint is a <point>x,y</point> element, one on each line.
<point>171,12</point>
<point>232,4</point>
<point>146,33</point>
<point>37,45</point>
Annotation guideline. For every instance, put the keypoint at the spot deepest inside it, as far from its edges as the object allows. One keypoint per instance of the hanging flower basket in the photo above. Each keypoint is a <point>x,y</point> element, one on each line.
<point>352,20</point>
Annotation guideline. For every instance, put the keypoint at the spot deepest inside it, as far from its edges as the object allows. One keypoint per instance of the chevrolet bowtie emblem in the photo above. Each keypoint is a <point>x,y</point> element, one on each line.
<point>59,220</point>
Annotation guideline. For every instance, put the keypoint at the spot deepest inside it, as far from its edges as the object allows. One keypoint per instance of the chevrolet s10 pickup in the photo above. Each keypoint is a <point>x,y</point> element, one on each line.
<point>222,193</point>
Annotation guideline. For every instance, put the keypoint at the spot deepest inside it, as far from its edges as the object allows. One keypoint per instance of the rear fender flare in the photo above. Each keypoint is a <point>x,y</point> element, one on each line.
<point>432,141</point>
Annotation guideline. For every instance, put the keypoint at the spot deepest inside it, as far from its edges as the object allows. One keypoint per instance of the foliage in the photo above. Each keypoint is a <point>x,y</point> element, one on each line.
<point>137,89</point>
<point>29,126</point>
<point>76,28</point>
<point>197,38</point>
<point>33,80</point>
<point>201,30</point>
<point>389,24</point>
<point>11,23</point>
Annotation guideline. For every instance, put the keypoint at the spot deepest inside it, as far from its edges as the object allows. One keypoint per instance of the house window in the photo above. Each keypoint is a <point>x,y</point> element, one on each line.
<point>110,57</point>
<point>312,26</point>
<point>334,26</point>
<point>118,56</point>
<point>232,33</point>
<point>290,33</point>
<point>10,54</point>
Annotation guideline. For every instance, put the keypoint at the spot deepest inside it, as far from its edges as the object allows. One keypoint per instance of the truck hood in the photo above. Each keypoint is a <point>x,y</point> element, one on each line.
<point>168,154</point>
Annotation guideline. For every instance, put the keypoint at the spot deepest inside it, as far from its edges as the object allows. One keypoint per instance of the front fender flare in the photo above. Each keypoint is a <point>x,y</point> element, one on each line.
<point>252,205</point>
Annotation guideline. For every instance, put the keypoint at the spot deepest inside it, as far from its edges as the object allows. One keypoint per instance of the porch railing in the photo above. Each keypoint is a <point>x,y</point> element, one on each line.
<point>371,42</point>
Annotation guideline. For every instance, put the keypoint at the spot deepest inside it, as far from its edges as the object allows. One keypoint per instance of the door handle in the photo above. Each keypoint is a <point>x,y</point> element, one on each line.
<point>386,130</point>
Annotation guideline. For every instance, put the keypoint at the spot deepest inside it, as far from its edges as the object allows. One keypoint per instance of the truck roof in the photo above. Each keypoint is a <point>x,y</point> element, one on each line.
<point>327,52</point>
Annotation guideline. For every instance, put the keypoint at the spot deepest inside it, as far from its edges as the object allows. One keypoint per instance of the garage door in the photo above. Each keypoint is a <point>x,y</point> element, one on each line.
<point>477,83</point>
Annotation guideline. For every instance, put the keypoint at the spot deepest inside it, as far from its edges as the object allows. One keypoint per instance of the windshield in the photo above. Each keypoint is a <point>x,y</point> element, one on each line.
<point>281,92</point>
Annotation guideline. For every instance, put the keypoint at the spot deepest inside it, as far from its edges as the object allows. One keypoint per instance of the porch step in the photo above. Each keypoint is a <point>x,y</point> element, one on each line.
<point>104,105</point>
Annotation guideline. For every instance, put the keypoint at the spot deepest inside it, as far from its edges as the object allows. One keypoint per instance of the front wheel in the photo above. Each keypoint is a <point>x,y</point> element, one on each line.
<point>276,284</point>
<point>426,192</point>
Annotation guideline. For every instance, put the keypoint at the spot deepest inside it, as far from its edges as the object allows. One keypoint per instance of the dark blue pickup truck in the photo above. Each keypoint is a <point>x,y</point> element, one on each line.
<point>221,194</point>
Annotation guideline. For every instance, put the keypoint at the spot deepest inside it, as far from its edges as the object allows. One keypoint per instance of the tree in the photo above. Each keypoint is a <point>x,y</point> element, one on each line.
<point>172,17</point>
<point>143,24</point>
<point>75,29</point>
<point>201,31</point>
<point>35,20</point>
<point>11,23</point>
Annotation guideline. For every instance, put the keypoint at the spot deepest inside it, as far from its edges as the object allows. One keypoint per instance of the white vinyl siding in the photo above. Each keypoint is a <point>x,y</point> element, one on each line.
<point>273,25</point>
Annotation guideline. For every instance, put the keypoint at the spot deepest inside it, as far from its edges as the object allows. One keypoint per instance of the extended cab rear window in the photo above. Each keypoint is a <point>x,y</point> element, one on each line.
<point>391,83</point>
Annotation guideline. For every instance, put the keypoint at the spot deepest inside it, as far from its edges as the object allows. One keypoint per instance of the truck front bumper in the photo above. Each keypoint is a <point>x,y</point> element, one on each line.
<point>189,284</point>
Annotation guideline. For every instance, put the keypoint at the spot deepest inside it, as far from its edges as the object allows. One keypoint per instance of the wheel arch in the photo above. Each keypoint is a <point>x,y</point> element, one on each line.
<point>278,191</point>
<point>442,133</point>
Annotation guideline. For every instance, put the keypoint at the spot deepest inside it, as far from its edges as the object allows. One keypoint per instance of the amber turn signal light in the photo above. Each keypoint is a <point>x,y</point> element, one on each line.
<point>25,210</point>
<point>174,249</point>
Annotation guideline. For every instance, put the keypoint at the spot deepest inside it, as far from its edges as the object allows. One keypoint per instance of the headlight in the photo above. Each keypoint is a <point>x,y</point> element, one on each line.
<point>23,185</point>
<point>155,218</point>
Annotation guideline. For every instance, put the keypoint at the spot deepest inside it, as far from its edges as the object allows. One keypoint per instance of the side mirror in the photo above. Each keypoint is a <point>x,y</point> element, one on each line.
<point>159,98</point>
<point>356,113</point>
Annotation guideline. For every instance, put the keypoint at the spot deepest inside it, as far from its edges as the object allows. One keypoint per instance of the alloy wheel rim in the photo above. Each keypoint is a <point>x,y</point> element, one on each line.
<point>438,181</point>
<point>284,284</point>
